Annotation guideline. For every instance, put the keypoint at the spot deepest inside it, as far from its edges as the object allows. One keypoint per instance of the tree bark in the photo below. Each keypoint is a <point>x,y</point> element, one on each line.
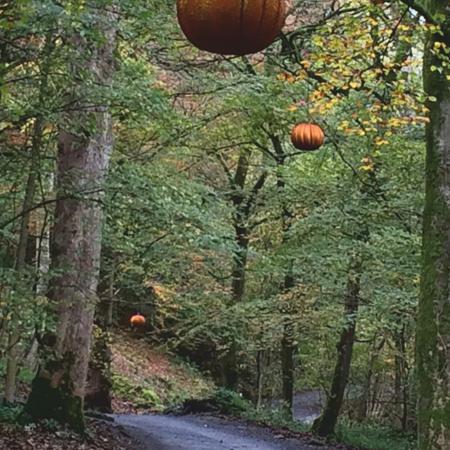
<point>98,386</point>
<point>287,367</point>
<point>240,222</point>
<point>240,262</point>
<point>260,369</point>
<point>287,354</point>
<point>14,335</point>
<point>287,341</point>
<point>326,423</point>
<point>243,200</point>
<point>84,148</point>
<point>433,325</point>
<point>21,255</point>
<point>400,380</point>
<point>240,217</point>
<point>365,400</point>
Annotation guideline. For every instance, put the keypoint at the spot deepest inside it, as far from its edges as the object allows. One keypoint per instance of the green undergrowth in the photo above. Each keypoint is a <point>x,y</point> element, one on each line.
<point>144,377</point>
<point>141,396</point>
<point>24,378</point>
<point>229,402</point>
<point>232,403</point>
<point>374,437</point>
<point>274,418</point>
<point>10,413</point>
<point>364,437</point>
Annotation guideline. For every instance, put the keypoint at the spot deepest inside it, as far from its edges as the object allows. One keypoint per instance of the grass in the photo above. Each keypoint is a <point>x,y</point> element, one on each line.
<point>374,437</point>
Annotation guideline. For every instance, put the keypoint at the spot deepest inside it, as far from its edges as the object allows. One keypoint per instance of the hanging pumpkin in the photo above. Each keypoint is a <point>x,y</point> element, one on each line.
<point>231,27</point>
<point>307,136</point>
<point>138,320</point>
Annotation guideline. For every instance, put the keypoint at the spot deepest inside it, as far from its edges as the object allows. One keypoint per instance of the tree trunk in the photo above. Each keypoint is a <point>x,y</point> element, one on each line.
<point>240,259</point>
<point>433,325</point>
<point>14,335</point>
<point>43,249</point>
<point>400,381</point>
<point>109,312</point>
<point>84,148</point>
<point>231,371</point>
<point>240,223</point>
<point>243,202</point>
<point>42,252</point>
<point>260,368</point>
<point>20,263</point>
<point>365,400</point>
<point>326,423</point>
<point>287,341</point>
<point>98,385</point>
<point>287,355</point>
<point>287,367</point>
<point>237,184</point>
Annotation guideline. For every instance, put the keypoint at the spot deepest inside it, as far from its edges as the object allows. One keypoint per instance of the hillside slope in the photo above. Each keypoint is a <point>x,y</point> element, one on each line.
<point>148,379</point>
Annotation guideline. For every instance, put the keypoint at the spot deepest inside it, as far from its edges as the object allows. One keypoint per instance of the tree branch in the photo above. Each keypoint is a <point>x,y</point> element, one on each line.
<point>417,5</point>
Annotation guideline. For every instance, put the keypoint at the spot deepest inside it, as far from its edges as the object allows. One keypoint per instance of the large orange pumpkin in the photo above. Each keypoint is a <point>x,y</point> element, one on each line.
<point>138,320</point>
<point>307,136</point>
<point>231,27</point>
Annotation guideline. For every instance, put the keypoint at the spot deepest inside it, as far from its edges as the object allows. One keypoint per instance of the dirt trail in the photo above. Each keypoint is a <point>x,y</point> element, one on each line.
<point>162,432</point>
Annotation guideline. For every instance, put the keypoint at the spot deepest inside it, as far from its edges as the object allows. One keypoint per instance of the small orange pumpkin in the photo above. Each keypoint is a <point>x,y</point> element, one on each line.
<point>307,136</point>
<point>231,27</point>
<point>138,320</point>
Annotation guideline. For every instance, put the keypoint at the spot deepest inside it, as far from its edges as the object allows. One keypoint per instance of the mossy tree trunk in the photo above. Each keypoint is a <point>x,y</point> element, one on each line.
<point>98,395</point>
<point>238,274</point>
<point>243,198</point>
<point>401,397</point>
<point>240,223</point>
<point>433,326</point>
<point>98,386</point>
<point>326,423</point>
<point>84,148</point>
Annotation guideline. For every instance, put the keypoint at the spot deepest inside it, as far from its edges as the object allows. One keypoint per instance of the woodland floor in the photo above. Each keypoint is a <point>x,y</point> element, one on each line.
<point>162,432</point>
<point>139,369</point>
<point>101,436</point>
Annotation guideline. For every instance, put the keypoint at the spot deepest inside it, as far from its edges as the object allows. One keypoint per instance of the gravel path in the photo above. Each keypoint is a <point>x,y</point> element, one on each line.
<point>162,432</point>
